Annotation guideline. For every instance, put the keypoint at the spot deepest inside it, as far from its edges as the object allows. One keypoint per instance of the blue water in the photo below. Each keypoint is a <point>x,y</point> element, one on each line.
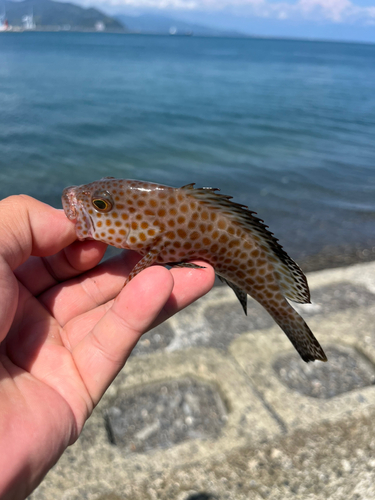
<point>287,127</point>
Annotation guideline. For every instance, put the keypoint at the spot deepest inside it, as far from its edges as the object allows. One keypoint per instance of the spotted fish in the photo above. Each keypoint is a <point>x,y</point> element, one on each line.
<point>169,225</point>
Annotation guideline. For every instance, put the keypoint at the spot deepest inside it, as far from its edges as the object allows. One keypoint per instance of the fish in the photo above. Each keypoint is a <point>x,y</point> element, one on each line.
<point>173,226</point>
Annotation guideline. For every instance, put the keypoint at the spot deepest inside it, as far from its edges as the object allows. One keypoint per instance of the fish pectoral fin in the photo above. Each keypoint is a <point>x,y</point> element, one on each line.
<point>240,294</point>
<point>185,264</point>
<point>146,261</point>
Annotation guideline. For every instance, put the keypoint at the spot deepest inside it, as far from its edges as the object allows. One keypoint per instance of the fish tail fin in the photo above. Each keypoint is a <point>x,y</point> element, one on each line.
<point>300,335</point>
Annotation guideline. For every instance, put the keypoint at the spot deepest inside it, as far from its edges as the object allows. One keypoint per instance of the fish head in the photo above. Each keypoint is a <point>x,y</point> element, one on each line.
<point>92,208</point>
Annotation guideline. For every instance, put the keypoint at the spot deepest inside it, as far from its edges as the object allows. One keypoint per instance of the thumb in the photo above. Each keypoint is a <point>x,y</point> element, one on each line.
<point>27,227</point>
<point>30,227</point>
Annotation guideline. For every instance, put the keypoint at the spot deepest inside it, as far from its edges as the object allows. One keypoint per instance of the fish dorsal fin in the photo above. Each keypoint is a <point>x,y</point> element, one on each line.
<point>292,281</point>
<point>240,294</point>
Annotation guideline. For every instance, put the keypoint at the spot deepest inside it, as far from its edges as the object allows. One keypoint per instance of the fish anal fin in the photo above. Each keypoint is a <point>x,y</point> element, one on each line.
<point>240,294</point>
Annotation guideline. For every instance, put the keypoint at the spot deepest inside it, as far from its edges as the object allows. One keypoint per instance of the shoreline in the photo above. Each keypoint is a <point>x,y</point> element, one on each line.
<point>239,36</point>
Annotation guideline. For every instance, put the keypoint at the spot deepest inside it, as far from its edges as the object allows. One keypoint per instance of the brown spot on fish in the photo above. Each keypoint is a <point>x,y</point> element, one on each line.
<point>181,233</point>
<point>195,235</point>
<point>223,238</point>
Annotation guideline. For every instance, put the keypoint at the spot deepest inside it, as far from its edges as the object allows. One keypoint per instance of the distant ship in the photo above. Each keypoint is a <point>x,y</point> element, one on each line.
<point>174,32</point>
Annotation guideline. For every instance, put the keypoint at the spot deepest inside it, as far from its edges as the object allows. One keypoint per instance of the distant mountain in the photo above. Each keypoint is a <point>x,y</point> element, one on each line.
<point>163,25</point>
<point>50,14</point>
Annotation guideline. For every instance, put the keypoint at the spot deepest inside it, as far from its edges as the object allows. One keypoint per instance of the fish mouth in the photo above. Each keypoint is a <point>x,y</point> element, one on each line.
<point>70,203</point>
<point>76,212</point>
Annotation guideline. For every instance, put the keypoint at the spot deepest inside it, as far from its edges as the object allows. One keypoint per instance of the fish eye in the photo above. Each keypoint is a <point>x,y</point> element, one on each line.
<point>102,201</point>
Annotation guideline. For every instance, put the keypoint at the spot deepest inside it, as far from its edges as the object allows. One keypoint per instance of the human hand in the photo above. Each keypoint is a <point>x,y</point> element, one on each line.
<point>67,326</point>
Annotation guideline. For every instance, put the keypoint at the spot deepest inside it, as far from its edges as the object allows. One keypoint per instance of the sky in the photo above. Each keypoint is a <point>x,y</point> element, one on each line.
<point>335,19</point>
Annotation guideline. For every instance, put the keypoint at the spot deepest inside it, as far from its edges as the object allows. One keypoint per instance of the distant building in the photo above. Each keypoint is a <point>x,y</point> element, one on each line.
<point>28,22</point>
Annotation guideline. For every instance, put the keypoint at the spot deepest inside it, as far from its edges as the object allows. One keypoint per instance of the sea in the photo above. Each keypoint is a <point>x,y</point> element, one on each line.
<point>287,127</point>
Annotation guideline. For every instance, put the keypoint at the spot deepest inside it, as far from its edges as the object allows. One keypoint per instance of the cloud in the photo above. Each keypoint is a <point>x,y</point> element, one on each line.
<point>336,11</point>
<point>189,4</point>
